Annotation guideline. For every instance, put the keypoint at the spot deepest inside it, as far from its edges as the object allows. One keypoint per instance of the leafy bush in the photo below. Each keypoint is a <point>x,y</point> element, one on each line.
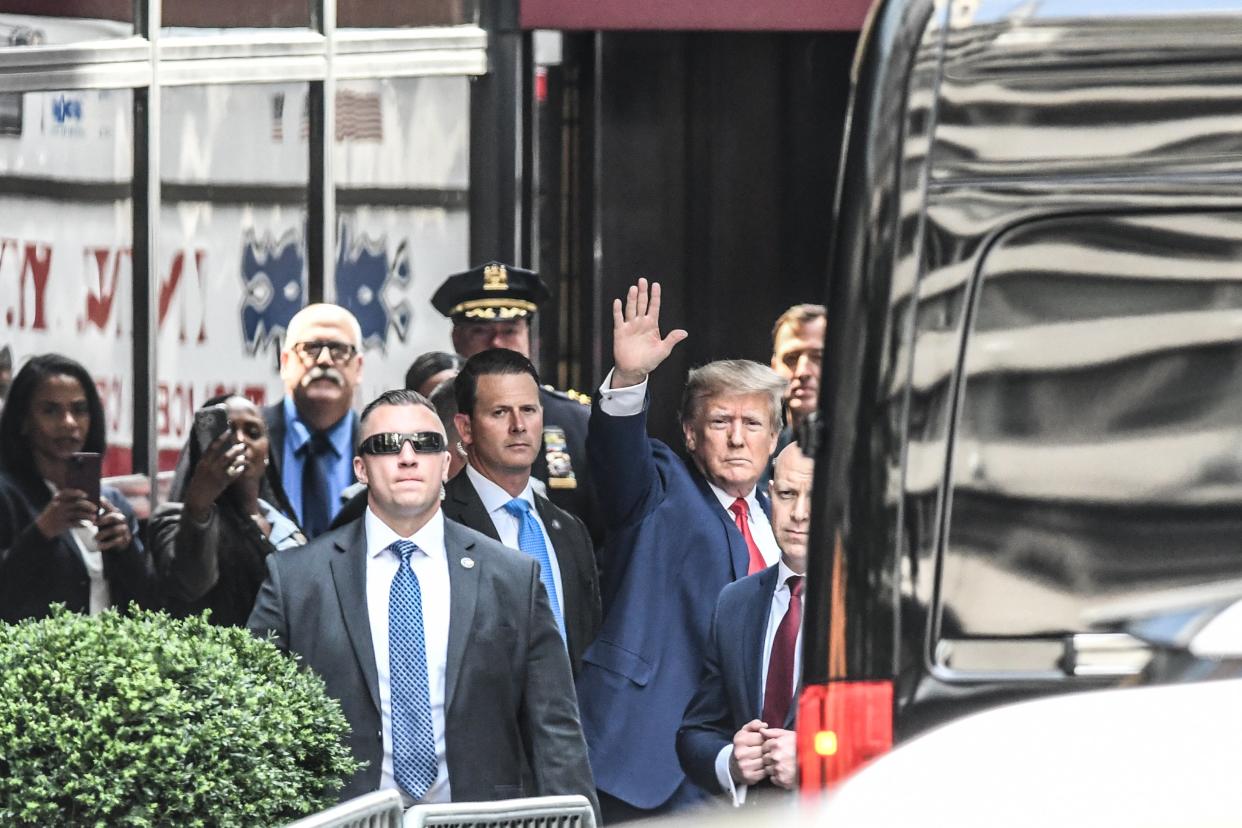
<point>147,720</point>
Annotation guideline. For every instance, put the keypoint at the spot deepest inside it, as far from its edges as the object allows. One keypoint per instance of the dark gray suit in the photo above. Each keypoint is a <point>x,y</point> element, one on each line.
<point>511,717</point>
<point>575,557</point>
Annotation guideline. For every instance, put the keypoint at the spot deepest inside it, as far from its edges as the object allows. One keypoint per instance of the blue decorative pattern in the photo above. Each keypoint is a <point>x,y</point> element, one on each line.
<point>272,274</point>
<point>530,540</point>
<point>414,763</point>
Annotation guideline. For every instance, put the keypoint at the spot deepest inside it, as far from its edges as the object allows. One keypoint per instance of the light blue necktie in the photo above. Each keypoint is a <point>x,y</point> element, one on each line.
<point>414,763</point>
<point>530,541</point>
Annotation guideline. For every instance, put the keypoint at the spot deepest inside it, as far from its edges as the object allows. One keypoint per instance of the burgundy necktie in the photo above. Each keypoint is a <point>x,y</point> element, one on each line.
<point>778,691</point>
<point>742,517</point>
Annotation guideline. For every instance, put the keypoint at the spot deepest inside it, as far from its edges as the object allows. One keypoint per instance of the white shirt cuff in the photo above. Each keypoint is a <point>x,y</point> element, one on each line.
<point>738,792</point>
<point>622,402</point>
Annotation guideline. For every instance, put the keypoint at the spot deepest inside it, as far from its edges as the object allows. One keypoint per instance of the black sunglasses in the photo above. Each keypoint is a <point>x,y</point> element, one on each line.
<point>340,351</point>
<point>391,442</point>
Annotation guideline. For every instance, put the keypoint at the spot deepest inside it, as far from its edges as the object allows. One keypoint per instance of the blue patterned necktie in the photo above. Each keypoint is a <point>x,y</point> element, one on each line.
<point>530,541</point>
<point>414,763</point>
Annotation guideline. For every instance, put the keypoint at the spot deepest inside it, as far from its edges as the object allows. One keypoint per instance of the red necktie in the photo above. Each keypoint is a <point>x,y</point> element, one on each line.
<point>778,690</point>
<point>742,517</point>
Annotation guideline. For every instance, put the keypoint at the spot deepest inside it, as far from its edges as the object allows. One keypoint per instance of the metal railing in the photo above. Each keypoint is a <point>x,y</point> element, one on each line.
<point>532,812</point>
<point>378,809</point>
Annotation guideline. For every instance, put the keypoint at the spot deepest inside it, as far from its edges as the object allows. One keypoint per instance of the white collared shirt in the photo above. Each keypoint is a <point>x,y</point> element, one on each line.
<point>99,597</point>
<point>776,614</point>
<point>626,402</point>
<point>760,529</point>
<point>508,527</point>
<point>430,565</point>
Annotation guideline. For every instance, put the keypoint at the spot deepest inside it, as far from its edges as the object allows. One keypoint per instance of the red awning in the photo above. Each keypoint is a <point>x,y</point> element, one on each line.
<point>676,15</point>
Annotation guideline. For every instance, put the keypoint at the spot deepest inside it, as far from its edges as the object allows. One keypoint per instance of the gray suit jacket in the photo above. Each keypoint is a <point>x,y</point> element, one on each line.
<point>575,557</point>
<point>511,716</point>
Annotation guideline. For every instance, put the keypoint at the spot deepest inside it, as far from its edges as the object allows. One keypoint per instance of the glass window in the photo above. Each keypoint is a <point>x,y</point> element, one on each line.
<point>192,17</point>
<point>66,267</point>
<point>1097,458</point>
<point>232,244</point>
<point>369,14</point>
<point>402,166</point>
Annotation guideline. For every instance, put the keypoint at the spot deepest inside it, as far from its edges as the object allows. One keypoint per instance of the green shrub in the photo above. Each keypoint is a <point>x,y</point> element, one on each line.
<point>147,720</point>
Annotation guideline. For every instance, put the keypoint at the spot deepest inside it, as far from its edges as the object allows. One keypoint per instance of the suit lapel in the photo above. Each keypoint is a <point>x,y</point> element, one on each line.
<point>349,574</point>
<point>756,623</point>
<point>739,553</point>
<point>463,597</point>
<point>466,507</point>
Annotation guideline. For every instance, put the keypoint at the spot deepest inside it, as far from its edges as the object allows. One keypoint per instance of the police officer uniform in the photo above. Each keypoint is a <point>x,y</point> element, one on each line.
<point>495,292</point>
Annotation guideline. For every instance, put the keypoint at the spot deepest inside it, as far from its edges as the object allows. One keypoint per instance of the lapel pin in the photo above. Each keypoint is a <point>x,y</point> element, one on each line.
<point>467,562</point>
<point>556,524</point>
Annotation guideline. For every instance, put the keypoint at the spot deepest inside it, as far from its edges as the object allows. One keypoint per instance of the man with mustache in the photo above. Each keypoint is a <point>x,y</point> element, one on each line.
<point>500,420</point>
<point>313,429</point>
<point>737,735</point>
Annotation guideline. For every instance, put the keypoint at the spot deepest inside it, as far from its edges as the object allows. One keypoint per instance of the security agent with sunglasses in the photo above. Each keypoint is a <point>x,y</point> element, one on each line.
<point>438,641</point>
<point>492,306</point>
<point>313,429</point>
<point>500,421</point>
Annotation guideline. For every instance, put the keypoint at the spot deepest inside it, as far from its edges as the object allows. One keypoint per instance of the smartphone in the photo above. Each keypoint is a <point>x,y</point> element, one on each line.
<point>83,474</point>
<point>210,423</point>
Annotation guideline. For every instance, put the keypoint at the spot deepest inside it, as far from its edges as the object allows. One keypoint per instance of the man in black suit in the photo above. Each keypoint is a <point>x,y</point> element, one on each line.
<point>438,641</point>
<point>313,430</point>
<point>492,306</point>
<point>500,420</point>
<point>737,735</point>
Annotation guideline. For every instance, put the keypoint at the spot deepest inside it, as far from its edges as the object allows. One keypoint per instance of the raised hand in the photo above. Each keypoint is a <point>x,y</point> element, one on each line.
<point>637,347</point>
<point>221,464</point>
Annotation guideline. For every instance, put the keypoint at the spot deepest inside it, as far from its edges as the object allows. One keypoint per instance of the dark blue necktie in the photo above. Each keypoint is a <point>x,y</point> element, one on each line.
<point>413,738</point>
<point>316,492</point>
<point>530,541</point>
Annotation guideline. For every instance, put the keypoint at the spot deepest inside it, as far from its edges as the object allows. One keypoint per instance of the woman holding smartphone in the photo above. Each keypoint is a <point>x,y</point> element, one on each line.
<point>211,543</point>
<point>56,545</point>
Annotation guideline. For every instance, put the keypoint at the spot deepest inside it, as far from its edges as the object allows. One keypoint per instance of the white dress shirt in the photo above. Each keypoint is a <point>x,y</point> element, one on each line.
<point>430,565</point>
<point>508,527</point>
<point>776,613</point>
<point>83,534</point>
<point>626,402</point>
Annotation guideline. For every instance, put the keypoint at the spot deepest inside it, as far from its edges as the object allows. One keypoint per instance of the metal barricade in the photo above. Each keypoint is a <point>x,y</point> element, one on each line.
<point>379,809</point>
<point>532,812</point>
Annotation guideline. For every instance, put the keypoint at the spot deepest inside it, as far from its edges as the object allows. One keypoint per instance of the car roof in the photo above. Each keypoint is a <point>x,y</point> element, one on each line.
<point>1150,756</point>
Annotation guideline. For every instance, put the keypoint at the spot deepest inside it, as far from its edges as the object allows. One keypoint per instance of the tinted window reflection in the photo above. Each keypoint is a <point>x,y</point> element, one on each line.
<point>1098,455</point>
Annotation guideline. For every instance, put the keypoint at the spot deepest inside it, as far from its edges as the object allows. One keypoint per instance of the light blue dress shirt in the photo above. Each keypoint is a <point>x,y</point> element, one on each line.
<point>342,460</point>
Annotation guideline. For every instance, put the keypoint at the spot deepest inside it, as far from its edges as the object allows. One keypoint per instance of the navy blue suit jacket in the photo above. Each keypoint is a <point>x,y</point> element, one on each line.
<point>732,680</point>
<point>671,549</point>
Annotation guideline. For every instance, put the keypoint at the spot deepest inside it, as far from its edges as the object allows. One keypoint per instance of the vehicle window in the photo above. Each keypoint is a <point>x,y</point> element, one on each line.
<point>1097,455</point>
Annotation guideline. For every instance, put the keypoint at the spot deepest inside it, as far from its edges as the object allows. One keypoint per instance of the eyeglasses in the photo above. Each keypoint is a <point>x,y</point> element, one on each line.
<point>341,352</point>
<point>391,442</point>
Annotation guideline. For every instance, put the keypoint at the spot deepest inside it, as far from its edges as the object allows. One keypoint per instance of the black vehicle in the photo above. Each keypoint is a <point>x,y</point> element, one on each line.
<point>1032,386</point>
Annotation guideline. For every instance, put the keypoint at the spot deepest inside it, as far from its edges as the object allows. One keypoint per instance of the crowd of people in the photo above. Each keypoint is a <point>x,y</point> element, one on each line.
<point>512,591</point>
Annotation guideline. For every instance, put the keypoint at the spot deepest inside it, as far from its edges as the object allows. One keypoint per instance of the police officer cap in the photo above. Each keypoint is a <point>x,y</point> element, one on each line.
<point>490,293</point>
